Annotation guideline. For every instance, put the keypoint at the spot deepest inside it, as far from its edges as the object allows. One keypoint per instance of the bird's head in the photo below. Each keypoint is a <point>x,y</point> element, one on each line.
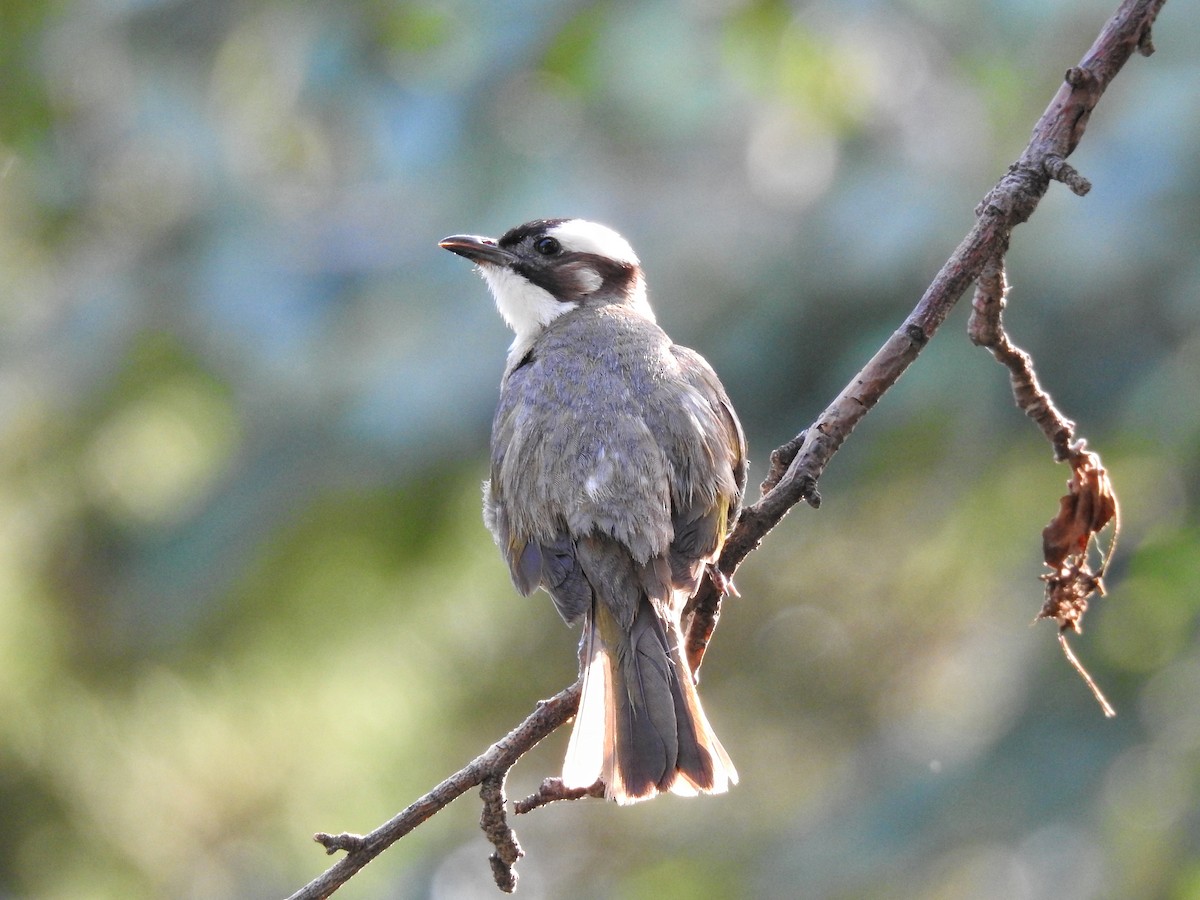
<point>542,269</point>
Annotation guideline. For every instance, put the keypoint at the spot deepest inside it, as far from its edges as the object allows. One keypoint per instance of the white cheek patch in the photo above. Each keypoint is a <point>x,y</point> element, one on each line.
<point>582,236</point>
<point>588,279</point>
<point>526,307</point>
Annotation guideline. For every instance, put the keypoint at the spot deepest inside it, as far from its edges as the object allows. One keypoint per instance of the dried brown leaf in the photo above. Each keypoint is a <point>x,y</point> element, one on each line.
<point>1085,510</point>
<point>1088,507</point>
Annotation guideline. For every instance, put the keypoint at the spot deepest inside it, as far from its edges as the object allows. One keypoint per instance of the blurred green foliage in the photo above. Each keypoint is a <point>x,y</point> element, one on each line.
<point>245,593</point>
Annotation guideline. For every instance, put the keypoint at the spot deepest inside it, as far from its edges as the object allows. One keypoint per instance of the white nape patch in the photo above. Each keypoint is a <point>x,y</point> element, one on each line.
<point>582,236</point>
<point>638,300</point>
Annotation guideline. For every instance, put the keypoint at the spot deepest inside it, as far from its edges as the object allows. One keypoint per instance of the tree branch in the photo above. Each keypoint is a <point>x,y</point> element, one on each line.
<point>797,466</point>
<point>493,764</point>
<point>1008,204</point>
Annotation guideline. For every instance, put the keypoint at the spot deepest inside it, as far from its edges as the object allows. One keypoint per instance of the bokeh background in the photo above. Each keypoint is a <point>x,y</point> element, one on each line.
<point>245,591</point>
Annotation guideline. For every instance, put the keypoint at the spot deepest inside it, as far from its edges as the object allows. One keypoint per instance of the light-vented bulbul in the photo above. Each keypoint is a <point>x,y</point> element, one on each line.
<point>617,471</point>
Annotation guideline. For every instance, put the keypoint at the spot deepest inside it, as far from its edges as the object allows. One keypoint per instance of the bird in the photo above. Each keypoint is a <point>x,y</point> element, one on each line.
<point>617,472</point>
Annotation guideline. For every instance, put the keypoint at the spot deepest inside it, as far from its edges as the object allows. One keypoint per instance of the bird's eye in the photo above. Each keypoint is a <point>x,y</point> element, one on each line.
<point>547,246</point>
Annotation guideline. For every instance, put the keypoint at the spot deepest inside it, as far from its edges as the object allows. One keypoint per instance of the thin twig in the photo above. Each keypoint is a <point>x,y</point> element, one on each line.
<point>1109,712</point>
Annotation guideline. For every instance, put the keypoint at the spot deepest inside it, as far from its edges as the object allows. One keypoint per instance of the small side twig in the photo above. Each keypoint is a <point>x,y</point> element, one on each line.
<point>494,822</point>
<point>351,843</point>
<point>986,329</point>
<point>1061,170</point>
<point>781,460</point>
<point>551,790</point>
<point>1090,503</point>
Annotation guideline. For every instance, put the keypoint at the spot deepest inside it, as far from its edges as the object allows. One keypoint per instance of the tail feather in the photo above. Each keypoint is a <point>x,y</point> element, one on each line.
<point>590,752</point>
<point>640,725</point>
<point>704,765</point>
<point>647,732</point>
